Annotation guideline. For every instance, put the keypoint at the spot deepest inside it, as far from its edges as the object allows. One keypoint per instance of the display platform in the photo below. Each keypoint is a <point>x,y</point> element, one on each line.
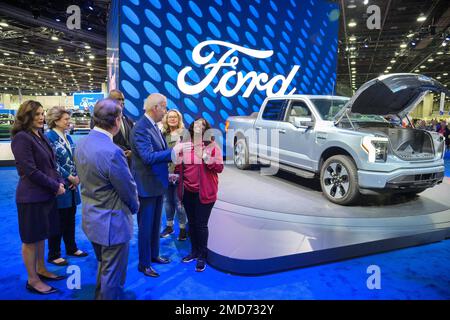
<point>6,155</point>
<point>262,224</point>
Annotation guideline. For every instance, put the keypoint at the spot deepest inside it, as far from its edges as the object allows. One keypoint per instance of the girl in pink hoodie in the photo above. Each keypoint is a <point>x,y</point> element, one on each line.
<point>198,164</point>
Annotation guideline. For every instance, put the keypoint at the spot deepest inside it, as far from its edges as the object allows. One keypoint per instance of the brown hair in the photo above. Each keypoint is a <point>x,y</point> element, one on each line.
<point>25,116</point>
<point>207,127</point>
<point>55,114</point>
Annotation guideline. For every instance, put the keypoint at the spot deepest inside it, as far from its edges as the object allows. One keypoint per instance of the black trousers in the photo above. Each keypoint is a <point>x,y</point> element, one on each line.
<point>67,232</point>
<point>198,217</point>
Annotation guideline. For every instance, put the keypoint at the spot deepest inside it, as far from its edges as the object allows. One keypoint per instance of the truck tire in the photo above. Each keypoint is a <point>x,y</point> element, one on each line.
<point>339,180</point>
<point>240,155</point>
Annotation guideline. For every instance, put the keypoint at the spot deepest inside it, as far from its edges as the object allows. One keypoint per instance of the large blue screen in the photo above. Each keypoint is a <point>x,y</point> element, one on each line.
<point>254,48</point>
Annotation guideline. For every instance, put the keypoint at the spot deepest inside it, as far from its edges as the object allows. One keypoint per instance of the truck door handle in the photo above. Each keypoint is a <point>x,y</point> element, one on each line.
<point>258,128</point>
<point>282,131</point>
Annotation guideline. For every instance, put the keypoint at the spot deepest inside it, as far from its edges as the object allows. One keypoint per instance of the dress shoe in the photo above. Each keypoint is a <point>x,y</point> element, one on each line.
<point>183,235</point>
<point>167,232</point>
<point>57,278</point>
<point>78,254</point>
<point>161,260</point>
<point>190,257</point>
<point>148,271</point>
<point>34,290</point>
<point>60,264</point>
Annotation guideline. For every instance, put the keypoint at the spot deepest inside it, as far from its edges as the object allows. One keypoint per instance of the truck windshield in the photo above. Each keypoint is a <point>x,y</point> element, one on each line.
<point>328,108</point>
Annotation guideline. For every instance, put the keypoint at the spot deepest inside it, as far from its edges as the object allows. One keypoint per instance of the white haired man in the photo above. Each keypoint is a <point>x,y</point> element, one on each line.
<point>149,166</point>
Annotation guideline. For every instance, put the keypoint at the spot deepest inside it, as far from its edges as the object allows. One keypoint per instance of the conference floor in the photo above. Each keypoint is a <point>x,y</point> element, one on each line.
<point>412,273</point>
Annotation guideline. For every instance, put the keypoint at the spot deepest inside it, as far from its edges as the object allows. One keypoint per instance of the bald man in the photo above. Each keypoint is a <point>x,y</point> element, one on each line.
<point>149,167</point>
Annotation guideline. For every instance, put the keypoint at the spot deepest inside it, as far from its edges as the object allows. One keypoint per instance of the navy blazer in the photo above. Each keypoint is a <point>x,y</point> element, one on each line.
<point>150,158</point>
<point>66,167</point>
<point>36,165</point>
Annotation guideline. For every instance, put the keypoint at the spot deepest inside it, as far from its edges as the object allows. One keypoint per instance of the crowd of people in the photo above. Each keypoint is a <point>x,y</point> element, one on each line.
<point>119,169</point>
<point>440,126</point>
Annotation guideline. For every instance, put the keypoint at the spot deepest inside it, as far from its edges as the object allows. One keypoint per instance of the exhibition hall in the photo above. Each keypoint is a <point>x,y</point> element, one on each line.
<point>224,150</point>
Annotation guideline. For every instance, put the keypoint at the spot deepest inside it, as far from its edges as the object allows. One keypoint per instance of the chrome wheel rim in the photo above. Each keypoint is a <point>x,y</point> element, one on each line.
<point>336,181</point>
<point>239,154</point>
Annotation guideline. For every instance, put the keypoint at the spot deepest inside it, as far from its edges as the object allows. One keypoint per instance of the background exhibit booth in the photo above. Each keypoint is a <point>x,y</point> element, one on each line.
<point>220,58</point>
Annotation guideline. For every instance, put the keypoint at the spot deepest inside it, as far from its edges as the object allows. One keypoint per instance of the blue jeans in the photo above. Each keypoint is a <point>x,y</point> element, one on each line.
<point>173,205</point>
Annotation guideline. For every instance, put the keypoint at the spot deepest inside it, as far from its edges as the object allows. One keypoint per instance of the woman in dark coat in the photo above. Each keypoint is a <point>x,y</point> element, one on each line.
<point>39,184</point>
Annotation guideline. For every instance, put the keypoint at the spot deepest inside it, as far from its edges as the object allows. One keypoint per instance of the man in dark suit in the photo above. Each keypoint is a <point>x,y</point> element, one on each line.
<point>150,170</point>
<point>122,138</point>
<point>109,198</point>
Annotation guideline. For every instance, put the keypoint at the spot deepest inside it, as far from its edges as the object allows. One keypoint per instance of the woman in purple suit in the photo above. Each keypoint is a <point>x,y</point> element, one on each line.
<point>39,184</point>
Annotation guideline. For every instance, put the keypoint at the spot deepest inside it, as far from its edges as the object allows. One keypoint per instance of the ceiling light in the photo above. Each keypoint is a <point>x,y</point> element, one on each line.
<point>6,54</point>
<point>440,52</point>
<point>31,52</point>
<point>445,74</point>
<point>417,70</point>
<point>89,64</point>
<point>393,61</point>
<point>353,62</point>
<point>352,24</point>
<point>352,38</point>
<point>403,45</point>
<point>438,77</point>
<point>410,35</point>
<point>351,6</point>
<point>4,24</point>
<point>82,59</point>
<point>60,49</point>
<point>386,71</point>
<point>89,28</point>
<point>421,18</point>
<point>352,48</point>
<point>422,67</point>
<point>444,43</point>
<point>430,60</point>
<point>389,68</point>
<point>54,38</point>
<point>58,20</point>
<point>92,57</point>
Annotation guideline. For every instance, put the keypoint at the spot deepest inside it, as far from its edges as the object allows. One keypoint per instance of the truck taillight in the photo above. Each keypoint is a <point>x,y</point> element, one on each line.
<point>227,124</point>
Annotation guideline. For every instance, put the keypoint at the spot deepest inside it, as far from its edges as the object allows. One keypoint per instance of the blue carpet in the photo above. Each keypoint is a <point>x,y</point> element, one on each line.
<point>412,273</point>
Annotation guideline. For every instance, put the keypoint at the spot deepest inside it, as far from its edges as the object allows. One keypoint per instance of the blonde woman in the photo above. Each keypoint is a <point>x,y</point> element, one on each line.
<point>58,120</point>
<point>172,130</point>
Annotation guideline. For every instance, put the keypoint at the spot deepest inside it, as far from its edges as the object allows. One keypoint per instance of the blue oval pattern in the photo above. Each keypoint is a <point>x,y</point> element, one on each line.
<point>212,27</point>
<point>174,22</point>
<point>152,18</point>
<point>234,19</point>
<point>131,108</point>
<point>173,39</point>
<point>194,25</point>
<point>130,89</point>
<point>252,25</point>
<point>131,15</point>
<point>173,74</point>
<point>172,90</point>
<point>195,9</point>
<point>131,35</point>
<point>152,36</point>
<point>176,6</point>
<point>190,105</point>
<point>150,87</point>
<point>173,56</point>
<point>215,14</point>
<point>152,54</point>
<point>152,72</point>
<point>130,71</point>
<point>130,52</point>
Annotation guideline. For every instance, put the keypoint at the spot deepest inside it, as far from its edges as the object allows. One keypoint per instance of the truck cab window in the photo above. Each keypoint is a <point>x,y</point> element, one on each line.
<point>274,110</point>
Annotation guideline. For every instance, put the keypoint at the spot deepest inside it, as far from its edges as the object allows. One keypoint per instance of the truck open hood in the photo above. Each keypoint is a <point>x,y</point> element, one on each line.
<point>393,94</point>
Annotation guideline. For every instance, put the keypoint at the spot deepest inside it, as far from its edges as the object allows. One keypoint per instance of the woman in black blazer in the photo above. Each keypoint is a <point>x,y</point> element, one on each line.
<point>39,184</point>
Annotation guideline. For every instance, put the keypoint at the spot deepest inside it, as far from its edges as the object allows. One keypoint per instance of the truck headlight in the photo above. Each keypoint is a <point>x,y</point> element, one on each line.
<point>376,148</point>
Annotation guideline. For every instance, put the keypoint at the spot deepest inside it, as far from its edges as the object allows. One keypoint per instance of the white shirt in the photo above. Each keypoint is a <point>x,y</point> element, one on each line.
<point>64,138</point>
<point>104,132</point>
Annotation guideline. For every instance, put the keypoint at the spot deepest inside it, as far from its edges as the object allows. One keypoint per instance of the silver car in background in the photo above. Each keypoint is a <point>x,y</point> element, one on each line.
<point>347,143</point>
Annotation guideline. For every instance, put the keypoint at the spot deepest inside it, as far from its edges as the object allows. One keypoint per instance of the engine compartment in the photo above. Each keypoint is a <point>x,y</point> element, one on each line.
<point>407,143</point>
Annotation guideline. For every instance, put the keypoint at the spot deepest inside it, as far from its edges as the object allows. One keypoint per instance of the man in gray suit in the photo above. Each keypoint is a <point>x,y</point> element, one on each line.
<point>109,197</point>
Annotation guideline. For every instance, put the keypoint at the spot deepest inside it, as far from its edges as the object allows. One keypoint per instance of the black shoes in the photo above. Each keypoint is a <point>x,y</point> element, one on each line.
<point>79,255</point>
<point>148,271</point>
<point>201,265</point>
<point>62,263</point>
<point>183,235</point>
<point>167,232</point>
<point>34,290</point>
<point>161,260</point>
<point>57,278</point>
<point>190,257</point>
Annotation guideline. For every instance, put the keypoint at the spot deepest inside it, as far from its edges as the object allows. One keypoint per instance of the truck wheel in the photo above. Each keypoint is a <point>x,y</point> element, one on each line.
<point>240,155</point>
<point>339,180</point>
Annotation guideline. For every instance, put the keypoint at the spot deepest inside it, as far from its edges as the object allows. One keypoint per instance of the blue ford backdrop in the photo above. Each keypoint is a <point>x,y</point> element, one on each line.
<point>217,58</point>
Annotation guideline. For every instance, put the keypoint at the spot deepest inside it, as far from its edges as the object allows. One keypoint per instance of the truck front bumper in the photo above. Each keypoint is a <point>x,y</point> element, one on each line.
<point>401,179</point>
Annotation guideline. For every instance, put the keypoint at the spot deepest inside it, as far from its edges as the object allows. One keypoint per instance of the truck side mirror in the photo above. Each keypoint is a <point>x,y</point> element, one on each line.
<point>303,122</point>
